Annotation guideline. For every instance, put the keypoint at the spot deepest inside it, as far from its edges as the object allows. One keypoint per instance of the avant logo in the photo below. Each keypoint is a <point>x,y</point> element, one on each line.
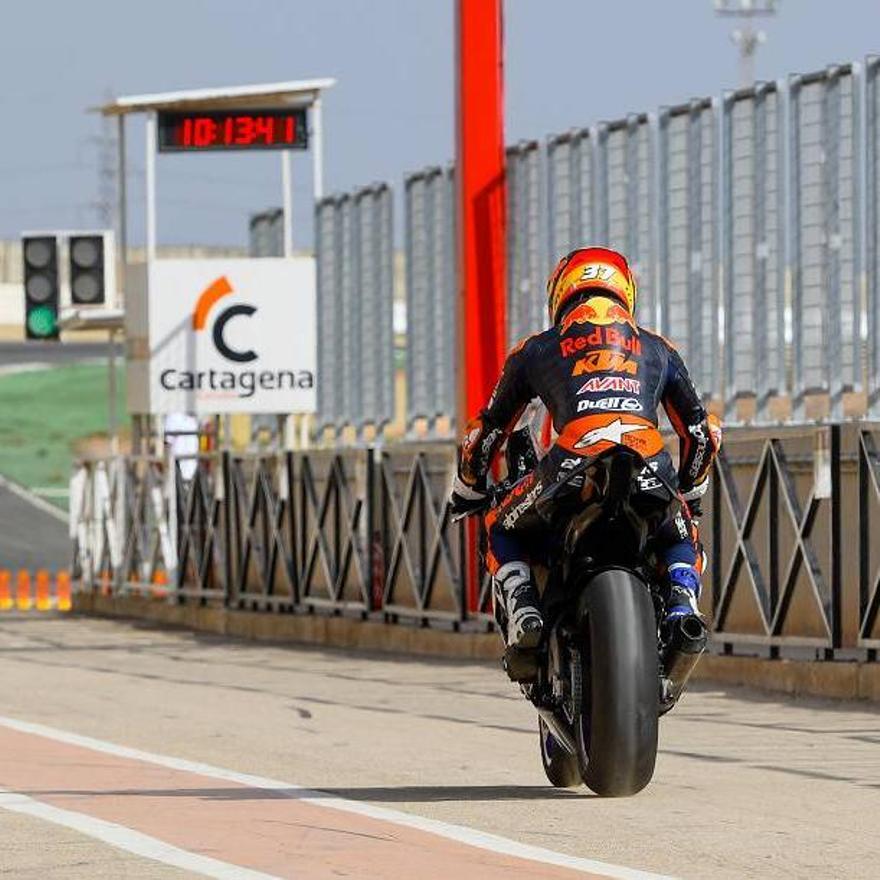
<point>210,295</point>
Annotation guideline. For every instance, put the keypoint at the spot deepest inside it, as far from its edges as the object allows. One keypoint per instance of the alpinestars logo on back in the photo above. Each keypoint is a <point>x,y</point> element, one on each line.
<point>610,433</point>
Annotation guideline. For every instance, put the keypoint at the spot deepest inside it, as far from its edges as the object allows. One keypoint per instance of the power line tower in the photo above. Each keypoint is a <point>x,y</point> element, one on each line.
<point>746,38</point>
<point>105,203</point>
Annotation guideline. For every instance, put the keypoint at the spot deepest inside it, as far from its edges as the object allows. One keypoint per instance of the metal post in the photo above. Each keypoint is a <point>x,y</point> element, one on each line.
<point>287,203</point>
<point>481,210</point>
<point>864,529</point>
<point>228,513</point>
<point>113,428</point>
<point>150,167</point>
<point>317,150</point>
<point>836,542</point>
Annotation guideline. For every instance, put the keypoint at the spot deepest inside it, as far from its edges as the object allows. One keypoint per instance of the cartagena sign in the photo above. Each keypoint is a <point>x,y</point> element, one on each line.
<point>231,336</point>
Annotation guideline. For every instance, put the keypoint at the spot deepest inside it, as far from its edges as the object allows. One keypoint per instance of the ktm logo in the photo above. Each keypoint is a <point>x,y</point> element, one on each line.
<point>605,361</point>
<point>215,291</point>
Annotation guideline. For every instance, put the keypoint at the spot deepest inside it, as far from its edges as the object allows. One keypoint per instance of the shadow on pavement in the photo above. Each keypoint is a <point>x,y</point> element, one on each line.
<point>385,794</point>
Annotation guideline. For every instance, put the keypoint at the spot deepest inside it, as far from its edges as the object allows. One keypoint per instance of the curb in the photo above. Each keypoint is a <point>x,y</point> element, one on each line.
<point>839,680</point>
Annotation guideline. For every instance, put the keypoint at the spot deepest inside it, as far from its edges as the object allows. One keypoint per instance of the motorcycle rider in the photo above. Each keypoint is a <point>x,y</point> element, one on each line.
<point>601,377</point>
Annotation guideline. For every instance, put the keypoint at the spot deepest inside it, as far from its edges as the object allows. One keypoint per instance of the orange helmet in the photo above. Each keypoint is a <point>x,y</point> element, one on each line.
<point>587,268</point>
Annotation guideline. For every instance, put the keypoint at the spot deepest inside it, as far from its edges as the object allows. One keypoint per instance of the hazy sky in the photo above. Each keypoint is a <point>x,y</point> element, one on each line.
<point>568,63</point>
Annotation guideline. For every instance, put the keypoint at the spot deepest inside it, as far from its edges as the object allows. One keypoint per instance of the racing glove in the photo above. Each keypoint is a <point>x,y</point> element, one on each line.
<point>465,500</point>
<point>694,499</point>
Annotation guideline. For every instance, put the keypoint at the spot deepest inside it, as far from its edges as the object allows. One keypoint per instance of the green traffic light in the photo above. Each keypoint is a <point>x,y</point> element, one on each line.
<point>41,321</point>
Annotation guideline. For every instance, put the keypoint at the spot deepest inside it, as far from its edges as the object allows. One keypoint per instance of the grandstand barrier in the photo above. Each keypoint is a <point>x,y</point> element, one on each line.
<point>790,530</point>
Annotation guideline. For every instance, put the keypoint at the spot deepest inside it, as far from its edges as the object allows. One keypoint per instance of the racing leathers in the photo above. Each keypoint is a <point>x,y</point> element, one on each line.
<point>602,379</point>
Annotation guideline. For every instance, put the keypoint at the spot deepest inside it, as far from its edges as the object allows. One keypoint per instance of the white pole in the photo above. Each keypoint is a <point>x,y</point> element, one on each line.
<point>287,193</point>
<point>113,415</point>
<point>150,165</point>
<point>317,150</point>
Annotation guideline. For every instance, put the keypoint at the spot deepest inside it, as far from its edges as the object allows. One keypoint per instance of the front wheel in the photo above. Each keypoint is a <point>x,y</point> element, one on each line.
<point>617,729</point>
<point>561,768</point>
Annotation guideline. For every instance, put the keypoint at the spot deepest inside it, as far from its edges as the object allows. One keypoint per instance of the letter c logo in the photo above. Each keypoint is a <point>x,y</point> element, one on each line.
<point>223,319</point>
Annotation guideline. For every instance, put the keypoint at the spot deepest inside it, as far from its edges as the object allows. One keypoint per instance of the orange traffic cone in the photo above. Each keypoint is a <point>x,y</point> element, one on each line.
<point>6,602</point>
<point>23,591</point>
<point>62,590</point>
<point>44,599</point>
<point>160,584</point>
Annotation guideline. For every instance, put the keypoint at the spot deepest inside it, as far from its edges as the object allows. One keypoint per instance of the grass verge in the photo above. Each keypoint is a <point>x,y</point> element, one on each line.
<point>44,414</point>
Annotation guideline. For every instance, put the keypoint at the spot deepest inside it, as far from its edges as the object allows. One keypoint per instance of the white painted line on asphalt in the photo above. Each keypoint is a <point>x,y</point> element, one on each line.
<point>33,367</point>
<point>40,366</point>
<point>26,495</point>
<point>125,839</point>
<point>470,836</point>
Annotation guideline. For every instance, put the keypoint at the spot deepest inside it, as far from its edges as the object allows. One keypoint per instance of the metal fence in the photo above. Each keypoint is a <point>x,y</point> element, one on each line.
<point>872,230</point>
<point>824,138</point>
<point>354,249</point>
<point>753,205</point>
<point>361,532</point>
<point>688,237</point>
<point>430,295</point>
<point>791,530</point>
<point>527,257</point>
<point>266,233</point>
<point>742,218</point>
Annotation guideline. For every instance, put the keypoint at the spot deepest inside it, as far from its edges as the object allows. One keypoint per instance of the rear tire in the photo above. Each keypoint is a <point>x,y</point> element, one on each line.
<point>562,769</point>
<point>617,729</point>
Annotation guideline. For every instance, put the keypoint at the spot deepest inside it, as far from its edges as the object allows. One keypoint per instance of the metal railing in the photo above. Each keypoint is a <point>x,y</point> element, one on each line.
<point>869,576</point>
<point>791,530</point>
<point>773,585</point>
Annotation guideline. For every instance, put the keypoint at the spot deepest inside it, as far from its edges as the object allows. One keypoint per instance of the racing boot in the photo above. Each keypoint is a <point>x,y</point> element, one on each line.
<point>684,590</point>
<point>517,605</point>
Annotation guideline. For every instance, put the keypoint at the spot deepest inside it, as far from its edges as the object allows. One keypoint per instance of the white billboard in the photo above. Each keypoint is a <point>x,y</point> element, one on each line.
<point>232,336</point>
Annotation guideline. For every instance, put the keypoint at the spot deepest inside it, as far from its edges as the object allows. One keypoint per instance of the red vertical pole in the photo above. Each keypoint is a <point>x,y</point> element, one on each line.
<point>482,218</point>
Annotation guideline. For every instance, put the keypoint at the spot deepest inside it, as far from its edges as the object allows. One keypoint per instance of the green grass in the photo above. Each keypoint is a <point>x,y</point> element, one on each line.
<point>42,416</point>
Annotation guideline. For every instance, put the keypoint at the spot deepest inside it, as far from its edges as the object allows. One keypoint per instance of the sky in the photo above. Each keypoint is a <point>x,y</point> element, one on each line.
<point>568,63</point>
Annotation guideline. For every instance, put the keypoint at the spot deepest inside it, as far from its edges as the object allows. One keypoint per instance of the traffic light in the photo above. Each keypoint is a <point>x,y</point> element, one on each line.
<point>41,300</point>
<point>87,276</point>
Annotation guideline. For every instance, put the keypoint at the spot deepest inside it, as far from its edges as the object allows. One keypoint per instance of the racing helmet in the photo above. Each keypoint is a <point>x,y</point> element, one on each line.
<point>590,268</point>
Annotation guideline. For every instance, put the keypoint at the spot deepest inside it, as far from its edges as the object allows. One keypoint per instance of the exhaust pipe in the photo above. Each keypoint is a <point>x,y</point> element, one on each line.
<point>686,643</point>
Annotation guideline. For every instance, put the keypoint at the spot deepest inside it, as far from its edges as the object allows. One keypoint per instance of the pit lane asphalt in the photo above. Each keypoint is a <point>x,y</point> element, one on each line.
<point>746,785</point>
<point>30,537</point>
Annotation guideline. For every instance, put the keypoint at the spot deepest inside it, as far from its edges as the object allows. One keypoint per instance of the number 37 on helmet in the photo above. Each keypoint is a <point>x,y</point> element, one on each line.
<point>590,268</point>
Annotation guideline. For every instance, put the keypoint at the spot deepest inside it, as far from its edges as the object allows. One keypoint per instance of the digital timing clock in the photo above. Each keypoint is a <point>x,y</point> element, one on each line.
<point>232,130</point>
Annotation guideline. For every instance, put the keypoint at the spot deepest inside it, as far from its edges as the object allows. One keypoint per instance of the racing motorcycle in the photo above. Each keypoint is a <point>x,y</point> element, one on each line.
<point>607,667</point>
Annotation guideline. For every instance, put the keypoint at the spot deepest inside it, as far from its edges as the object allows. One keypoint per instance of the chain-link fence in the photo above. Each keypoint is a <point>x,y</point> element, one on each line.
<point>354,249</point>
